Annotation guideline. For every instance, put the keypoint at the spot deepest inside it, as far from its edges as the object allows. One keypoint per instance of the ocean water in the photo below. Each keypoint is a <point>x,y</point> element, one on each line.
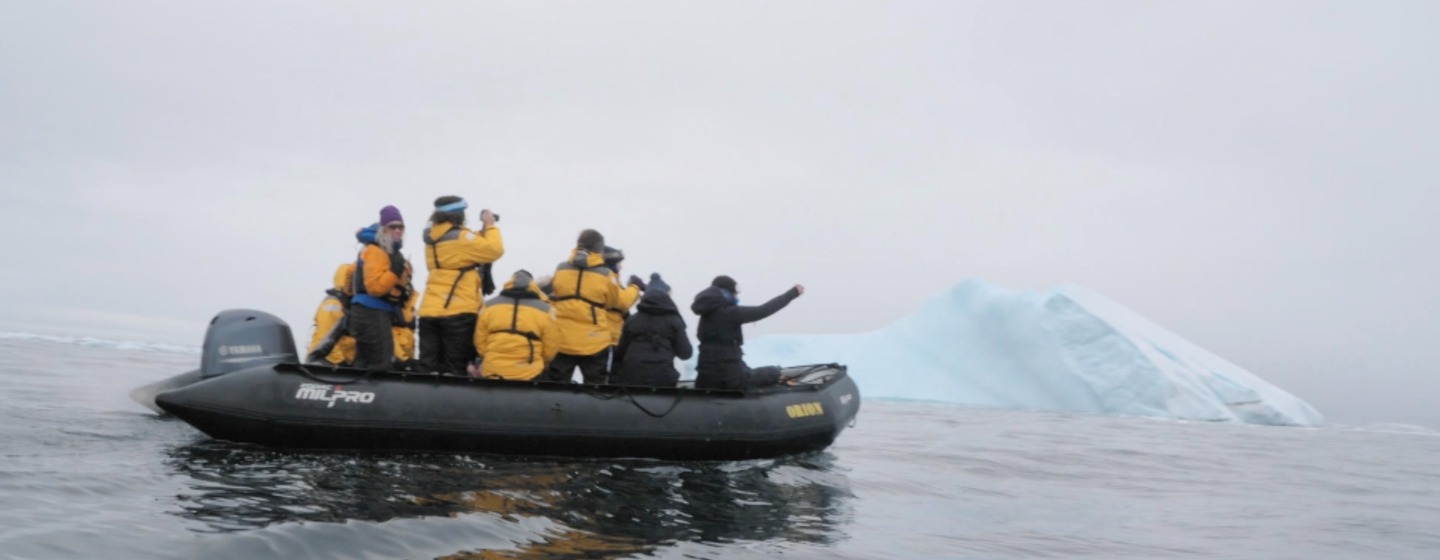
<point>86,473</point>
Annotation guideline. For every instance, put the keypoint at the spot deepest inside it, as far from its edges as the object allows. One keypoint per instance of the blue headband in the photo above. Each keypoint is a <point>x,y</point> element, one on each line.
<point>452,207</point>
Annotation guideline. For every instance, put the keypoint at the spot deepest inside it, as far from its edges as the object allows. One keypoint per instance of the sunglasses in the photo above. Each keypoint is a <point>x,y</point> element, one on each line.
<point>395,226</point>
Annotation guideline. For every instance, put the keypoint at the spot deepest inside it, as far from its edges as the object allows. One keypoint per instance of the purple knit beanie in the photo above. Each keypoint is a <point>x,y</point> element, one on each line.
<point>390,214</point>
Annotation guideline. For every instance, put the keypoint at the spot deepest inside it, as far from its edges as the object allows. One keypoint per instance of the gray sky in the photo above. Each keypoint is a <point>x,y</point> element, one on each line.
<point>1256,176</point>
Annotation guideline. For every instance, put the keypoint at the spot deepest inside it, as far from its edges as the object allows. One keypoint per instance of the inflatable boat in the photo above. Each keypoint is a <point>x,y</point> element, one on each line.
<point>250,389</point>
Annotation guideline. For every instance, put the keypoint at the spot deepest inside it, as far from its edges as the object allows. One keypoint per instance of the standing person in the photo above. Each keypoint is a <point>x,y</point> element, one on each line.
<point>625,298</point>
<point>651,340</point>
<point>331,343</point>
<point>402,329</point>
<point>515,335</point>
<point>582,291</point>
<point>454,257</point>
<point>381,276</point>
<point>721,364</point>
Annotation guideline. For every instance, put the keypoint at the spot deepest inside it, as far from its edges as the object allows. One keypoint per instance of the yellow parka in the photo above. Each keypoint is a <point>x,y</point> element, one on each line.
<point>582,291</point>
<point>625,298</point>
<point>404,335</point>
<point>376,278</point>
<point>452,252</point>
<point>515,335</point>
<point>328,316</point>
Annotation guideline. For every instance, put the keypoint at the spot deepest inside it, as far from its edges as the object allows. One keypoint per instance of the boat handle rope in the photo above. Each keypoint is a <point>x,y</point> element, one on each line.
<point>631,397</point>
<point>625,392</point>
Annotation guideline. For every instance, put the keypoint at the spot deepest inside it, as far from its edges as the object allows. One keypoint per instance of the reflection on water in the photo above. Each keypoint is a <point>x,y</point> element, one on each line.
<point>595,509</point>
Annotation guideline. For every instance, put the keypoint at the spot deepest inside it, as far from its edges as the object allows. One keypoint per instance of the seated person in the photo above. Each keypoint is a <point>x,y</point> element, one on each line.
<point>619,310</point>
<point>515,334</point>
<point>331,343</point>
<point>720,365</point>
<point>651,340</point>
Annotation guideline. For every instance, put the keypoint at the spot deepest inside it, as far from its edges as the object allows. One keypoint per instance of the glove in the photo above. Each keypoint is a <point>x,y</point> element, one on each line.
<point>398,265</point>
<point>636,281</point>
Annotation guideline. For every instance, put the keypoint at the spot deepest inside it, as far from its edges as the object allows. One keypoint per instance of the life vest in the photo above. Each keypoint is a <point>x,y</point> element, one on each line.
<point>397,295</point>
<point>487,282</point>
<point>531,337</point>
<point>578,265</point>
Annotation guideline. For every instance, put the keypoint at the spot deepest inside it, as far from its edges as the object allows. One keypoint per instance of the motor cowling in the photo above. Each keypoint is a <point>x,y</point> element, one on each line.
<point>244,338</point>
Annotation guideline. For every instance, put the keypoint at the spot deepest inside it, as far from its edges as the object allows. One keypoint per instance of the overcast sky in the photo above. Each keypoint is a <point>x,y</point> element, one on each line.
<point>1259,177</point>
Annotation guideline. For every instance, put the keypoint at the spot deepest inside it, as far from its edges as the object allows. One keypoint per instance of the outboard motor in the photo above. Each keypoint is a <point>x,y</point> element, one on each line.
<point>237,339</point>
<point>244,338</point>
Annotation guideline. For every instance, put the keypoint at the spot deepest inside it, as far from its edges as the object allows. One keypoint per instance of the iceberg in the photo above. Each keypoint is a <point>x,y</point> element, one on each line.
<point>1063,349</point>
<point>100,342</point>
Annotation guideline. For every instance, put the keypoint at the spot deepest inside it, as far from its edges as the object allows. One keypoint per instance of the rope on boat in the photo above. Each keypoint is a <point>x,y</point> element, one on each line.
<point>624,391</point>
<point>631,397</point>
<point>799,377</point>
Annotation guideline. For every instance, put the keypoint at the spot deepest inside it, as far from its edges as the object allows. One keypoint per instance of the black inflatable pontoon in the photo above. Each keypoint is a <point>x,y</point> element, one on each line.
<point>293,406</point>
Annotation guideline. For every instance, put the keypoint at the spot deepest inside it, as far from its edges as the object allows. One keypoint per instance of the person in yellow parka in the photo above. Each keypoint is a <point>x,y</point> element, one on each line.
<point>381,277</point>
<point>458,262</point>
<point>625,296</point>
<point>582,290</point>
<point>403,331</point>
<point>516,334</point>
<point>331,343</point>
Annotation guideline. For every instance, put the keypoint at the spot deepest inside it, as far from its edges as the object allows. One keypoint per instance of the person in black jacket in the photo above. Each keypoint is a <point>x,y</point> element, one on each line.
<point>651,340</point>
<point>721,365</point>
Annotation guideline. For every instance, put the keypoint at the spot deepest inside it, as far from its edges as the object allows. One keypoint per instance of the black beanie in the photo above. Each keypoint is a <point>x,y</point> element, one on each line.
<point>725,283</point>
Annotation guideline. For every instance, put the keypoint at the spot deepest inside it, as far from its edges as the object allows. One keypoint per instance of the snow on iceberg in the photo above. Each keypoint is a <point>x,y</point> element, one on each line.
<point>1066,349</point>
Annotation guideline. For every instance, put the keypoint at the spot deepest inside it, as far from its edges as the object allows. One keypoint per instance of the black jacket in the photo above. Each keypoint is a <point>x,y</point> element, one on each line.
<point>650,341</point>
<point>721,365</point>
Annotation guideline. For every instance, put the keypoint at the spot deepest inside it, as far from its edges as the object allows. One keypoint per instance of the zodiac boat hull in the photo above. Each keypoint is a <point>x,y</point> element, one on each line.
<point>290,406</point>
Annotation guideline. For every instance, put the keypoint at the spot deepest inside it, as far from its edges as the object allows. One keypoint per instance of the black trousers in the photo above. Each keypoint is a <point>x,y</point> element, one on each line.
<point>374,343</point>
<point>734,375</point>
<point>764,376</point>
<point>447,344</point>
<point>592,368</point>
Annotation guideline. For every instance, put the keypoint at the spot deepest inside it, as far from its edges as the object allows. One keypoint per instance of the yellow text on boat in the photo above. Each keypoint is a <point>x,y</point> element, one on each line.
<point>804,409</point>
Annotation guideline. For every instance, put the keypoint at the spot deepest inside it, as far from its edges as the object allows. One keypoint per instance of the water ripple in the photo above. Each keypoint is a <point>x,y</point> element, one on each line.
<point>86,473</point>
